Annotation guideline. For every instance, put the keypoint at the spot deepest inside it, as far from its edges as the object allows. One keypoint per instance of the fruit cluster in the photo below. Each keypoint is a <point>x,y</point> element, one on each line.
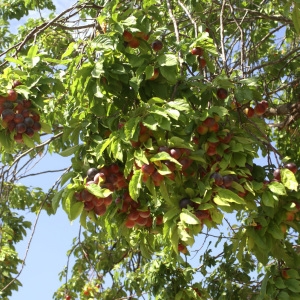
<point>111,178</point>
<point>198,51</point>
<point>259,109</point>
<point>18,116</point>
<point>133,41</point>
<point>166,168</point>
<point>107,177</point>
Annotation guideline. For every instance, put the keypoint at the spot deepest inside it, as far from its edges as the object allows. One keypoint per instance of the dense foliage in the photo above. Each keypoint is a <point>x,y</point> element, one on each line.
<point>163,107</point>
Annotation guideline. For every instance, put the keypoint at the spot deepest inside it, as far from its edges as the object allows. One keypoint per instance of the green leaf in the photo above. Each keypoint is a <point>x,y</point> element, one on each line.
<point>172,213</point>
<point>164,192</point>
<point>69,151</point>
<point>98,191</point>
<point>167,60</point>
<point>283,296</point>
<point>216,216</point>
<point>69,50</point>
<point>145,250</point>
<point>135,185</point>
<point>275,231</point>
<point>173,113</point>
<point>268,199</point>
<point>239,159</point>
<point>98,70</point>
<point>65,177</point>
<point>149,72</point>
<point>130,127</point>
<point>46,127</point>
<point>163,156</point>
<point>170,73</point>
<point>24,90</point>
<point>179,104</point>
<point>140,155</point>
<point>229,196</point>
<point>76,210</point>
<point>189,218</point>
<point>277,188</point>
<point>27,140</point>
<point>56,199</point>
<point>15,61</point>
<point>293,285</point>
<point>288,179</point>
<point>296,18</point>
<point>32,52</point>
<point>279,283</point>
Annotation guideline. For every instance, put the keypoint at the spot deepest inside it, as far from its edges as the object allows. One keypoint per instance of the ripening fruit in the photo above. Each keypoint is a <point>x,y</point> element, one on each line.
<point>18,118</point>
<point>182,248</point>
<point>27,103</point>
<point>148,169</point>
<point>141,221</point>
<point>91,172</point>
<point>12,95</point>
<point>157,178</point>
<point>214,128</point>
<point>11,126</point>
<point>249,112</point>
<point>209,122</point>
<point>227,180</point>
<point>157,45</point>
<point>225,139</point>
<point>171,166</point>
<point>130,223</point>
<point>159,220</point>
<point>134,43</point>
<point>99,210</point>
<point>183,203</point>
<point>197,51</point>
<point>142,35</point>
<point>30,132</point>
<point>18,138</point>
<point>8,115</point>
<point>202,63</point>
<point>114,168</point>
<point>283,228</point>
<point>290,216</point>
<point>133,215</point>
<point>127,36</point>
<point>155,74</point>
<point>144,213</point>
<point>292,167</point>
<point>175,153</point>
<point>277,175</point>
<point>26,113</point>
<point>259,109</point>
<point>211,150</point>
<point>8,104</point>
<point>202,214</point>
<point>16,83</point>
<point>37,126</point>
<point>144,137</point>
<point>201,129</point>
<point>29,122</point>
<point>185,163</point>
<point>222,93</point>
<point>284,273</point>
<point>218,178</point>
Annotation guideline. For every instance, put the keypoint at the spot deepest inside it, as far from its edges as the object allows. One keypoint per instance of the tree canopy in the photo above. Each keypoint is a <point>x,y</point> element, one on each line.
<point>164,108</point>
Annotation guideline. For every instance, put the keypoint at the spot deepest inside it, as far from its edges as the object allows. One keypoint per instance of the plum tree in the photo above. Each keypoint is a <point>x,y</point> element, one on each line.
<point>163,152</point>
